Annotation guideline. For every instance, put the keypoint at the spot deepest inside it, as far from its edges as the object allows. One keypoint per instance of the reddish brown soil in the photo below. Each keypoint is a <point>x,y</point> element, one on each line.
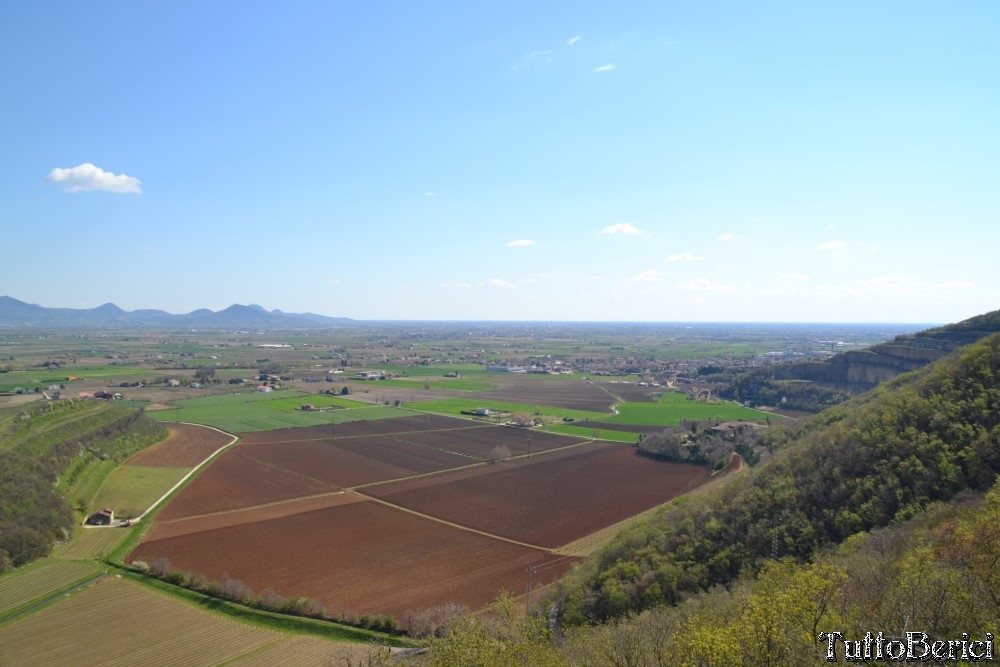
<point>551,499</point>
<point>200,524</point>
<point>349,462</point>
<point>233,481</point>
<point>559,392</point>
<point>423,422</point>
<point>482,443</point>
<point>631,391</point>
<point>359,558</point>
<point>186,446</point>
<point>423,447</point>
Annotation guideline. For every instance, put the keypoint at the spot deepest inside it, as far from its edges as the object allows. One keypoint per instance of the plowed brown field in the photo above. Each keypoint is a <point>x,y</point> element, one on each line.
<point>360,558</point>
<point>558,392</point>
<point>233,481</point>
<point>421,422</point>
<point>548,500</point>
<point>186,446</point>
<point>269,511</point>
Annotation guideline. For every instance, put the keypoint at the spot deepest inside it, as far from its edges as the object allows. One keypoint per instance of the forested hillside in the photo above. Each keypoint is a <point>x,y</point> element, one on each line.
<point>875,460</point>
<point>45,450</point>
<point>935,573</point>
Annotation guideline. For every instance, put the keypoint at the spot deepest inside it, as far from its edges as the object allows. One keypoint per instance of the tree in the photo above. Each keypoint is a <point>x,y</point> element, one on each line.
<point>204,373</point>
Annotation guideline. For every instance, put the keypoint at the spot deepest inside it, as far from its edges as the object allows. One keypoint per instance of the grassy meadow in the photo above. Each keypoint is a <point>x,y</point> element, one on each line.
<point>258,411</point>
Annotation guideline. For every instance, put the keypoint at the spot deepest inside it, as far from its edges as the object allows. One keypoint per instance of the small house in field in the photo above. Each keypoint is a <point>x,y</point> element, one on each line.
<point>103,518</point>
<point>264,389</point>
<point>308,407</point>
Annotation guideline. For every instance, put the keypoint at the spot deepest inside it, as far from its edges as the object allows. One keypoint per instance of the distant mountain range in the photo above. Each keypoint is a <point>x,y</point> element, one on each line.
<point>14,313</point>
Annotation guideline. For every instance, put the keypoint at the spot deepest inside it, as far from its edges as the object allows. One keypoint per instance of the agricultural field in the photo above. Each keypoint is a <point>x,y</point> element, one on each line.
<point>186,446</point>
<point>563,392</point>
<point>674,406</point>
<point>91,543</point>
<point>119,622</point>
<point>356,558</point>
<point>239,413</point>
<point>547,500</point>
<point>36,581</point>
<point>131,489</point>
<point>413,512</point>
<point>455,406</point>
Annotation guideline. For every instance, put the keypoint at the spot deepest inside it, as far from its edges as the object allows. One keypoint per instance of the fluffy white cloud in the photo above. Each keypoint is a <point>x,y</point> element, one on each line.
<point>87,177</point>
<point>520,243</point>
<point>604,68</point>
<point>833,245</point>
<point>573,40</point>
<point>623,228</point>
<point>497,283</point>
<point>685,257</point>
<point>727,237</point>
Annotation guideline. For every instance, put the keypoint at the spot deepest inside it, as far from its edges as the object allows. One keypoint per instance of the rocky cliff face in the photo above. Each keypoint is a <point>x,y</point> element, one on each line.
<point>861,370</point>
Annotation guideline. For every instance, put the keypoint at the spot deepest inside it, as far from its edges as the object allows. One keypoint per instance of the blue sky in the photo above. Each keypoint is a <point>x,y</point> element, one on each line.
<point>674,161</point>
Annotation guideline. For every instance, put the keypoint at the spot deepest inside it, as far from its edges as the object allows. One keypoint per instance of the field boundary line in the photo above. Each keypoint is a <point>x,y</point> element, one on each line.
<point>480,463</point>
<point>273,503</point>
<point>51,597</point>
<point>459,526</point>
<point>374,435</point>
<point>193,470</point>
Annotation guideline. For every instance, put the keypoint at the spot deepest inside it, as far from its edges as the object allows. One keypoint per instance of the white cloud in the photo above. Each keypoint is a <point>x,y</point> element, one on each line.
<point>685,257</point>
<point>833,245</point>
<point>520,243</point>
<point>704,285</point>
<point>573,40</point>
<point>533,58</point>
<point>604,68</point>
<point>623,228</point>
<point>429,194</point>
<point>333,282</point>
<point>87,177</point>
<point>497,283</point>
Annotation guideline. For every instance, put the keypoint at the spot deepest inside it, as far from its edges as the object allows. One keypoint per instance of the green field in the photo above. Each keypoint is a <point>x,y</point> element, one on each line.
<point>674,407</point>
<point>132,489</point>
<point>454,406</point>
<point>254,413</point>
<point>319,400</point>
<point>600,434</point>
<point>238,398</point>
<point>92,543</point>
<point>437,382</point>
<point>40,580</point>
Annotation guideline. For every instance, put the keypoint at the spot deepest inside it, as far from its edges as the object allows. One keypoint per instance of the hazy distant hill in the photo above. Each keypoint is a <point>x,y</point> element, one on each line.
<point>14,313</point>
